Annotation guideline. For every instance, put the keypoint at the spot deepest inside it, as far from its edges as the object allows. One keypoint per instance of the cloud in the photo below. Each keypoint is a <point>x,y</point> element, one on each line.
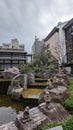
<point>23,19</point>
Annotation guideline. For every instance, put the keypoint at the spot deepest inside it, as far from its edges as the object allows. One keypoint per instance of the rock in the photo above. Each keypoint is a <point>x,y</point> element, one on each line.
<point>8,126</point>
<point>23,80</point>
<point>36,122</point>
<point>9,91</point>
<point>55,112</point>
<point>30,78</point>
<point>58,94</point>
<point>38,72</point>
<point>18,83</point>
<point>56,128</point>
<point>16,93</point>
<point>65,77</point>
<point>46,74</point>
<point>10,73</point>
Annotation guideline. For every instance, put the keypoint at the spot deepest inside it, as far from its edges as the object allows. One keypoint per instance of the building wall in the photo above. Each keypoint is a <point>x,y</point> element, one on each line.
<point>69,44</point>
<point>57,43</point>
<point>53,44</point>
<point>62,42</point>
<point>37,46</point>
<point>13,45</point>
<point>9,59</point>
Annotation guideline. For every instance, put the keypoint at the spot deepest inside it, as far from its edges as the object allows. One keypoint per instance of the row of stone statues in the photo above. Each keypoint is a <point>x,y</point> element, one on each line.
<point>47,98</point>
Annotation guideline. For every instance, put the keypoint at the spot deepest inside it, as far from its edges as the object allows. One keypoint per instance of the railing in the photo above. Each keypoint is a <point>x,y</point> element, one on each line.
<point>11,58</point>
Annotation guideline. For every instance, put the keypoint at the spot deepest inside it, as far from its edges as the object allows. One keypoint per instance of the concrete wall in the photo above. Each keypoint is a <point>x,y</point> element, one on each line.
<point>37,46</point>
<point>53,44</point>
<point>57,43</point>
<point>62,42</point>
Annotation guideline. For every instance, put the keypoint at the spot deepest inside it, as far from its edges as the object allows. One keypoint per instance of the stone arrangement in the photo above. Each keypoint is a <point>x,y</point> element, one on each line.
<point>10,72</point>
<point>18,84</point>
<point>50,107</point>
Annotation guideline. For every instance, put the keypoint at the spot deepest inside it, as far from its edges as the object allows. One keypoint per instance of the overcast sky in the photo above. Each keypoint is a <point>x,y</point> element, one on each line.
<point>25,19</point>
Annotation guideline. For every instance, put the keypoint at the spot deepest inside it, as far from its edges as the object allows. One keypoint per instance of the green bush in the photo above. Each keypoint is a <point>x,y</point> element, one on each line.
<point>51,125</point>
<point>67,124</point>
<point>69,101</point>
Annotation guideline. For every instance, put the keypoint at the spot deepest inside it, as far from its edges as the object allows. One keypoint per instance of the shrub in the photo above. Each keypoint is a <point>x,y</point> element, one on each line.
<point>67,124</point>
<point>69,101</point>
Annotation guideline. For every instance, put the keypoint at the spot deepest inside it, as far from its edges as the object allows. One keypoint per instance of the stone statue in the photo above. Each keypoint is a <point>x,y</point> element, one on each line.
<point>60,71</point>
<point>47,99</point>
<point>49,84</point>
<point>55,81</point>
<point>26,116</point>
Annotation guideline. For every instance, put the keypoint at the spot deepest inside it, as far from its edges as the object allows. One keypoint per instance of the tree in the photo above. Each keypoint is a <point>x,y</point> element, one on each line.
<point>44,57</point>
<point>60,53</point>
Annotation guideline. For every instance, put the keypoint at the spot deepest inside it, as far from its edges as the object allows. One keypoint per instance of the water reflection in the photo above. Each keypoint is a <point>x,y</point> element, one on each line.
<point>6,101</point>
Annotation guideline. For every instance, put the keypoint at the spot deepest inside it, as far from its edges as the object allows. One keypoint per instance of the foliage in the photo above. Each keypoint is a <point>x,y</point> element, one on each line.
<point>50,125</point>
<point>13,81</point>
<point>24,68</point>
<point>69,101</point>
<point>67,124</point>
<point>44,57</point>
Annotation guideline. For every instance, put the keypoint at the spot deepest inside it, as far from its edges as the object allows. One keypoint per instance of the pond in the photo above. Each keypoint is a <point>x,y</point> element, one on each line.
<point>32,93</point>
<point>9,108</point>
<point>7,114</point>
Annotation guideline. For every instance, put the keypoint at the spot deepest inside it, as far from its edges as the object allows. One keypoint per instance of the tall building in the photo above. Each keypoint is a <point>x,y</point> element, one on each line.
<point>12,54</point>
<point>37,47</point>
<point>60,42</point>
<point>13,45</point>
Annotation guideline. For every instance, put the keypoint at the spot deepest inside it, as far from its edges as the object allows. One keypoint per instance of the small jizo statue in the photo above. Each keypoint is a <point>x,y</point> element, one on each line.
<point>47,99</point>
<point>55,81</point>
<point>49,83</point>
<point>60,71</point>
<point>26,116</point>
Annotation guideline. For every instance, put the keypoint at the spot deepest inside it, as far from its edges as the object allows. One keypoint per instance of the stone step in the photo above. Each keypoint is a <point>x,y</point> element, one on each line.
<point>38,85</point>
<point>40,80</point>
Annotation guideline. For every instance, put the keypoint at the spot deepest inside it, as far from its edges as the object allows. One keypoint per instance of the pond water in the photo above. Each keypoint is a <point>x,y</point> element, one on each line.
<point>9,108</point>
<point>32,93</point>
<point>7,114</point>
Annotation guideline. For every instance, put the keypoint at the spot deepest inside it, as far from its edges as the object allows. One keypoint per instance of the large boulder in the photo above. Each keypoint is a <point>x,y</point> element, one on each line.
<point>65,77</point>
<point>55,112</point>
<point>10,72</point>
<point>16,93</point>
<point>18,84</point>
<point>8,126</point>
<point>58,94</point>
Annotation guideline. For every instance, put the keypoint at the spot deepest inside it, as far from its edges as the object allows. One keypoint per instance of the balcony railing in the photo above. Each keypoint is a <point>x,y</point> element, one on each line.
<point>13,58</point>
